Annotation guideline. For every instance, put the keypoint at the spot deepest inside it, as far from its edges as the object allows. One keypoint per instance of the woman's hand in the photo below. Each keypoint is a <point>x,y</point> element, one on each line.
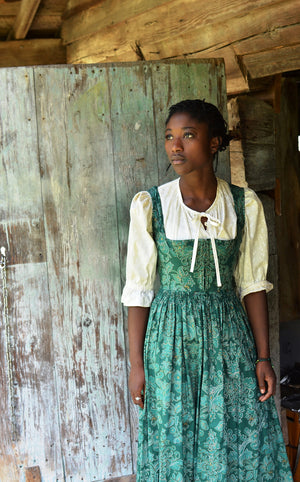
<point>137,385</point>
<point>266,379</point>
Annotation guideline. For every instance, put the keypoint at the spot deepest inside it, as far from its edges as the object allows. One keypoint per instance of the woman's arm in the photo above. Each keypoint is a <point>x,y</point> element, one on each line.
<point>257,310</point>
<point>137,324</point>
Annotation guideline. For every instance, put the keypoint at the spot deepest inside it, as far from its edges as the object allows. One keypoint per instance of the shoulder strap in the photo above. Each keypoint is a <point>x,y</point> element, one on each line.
<point>157,217</point>
<point>238,194</point>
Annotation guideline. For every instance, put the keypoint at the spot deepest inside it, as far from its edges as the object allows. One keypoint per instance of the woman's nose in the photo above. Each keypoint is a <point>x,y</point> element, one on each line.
<point>177,145</point>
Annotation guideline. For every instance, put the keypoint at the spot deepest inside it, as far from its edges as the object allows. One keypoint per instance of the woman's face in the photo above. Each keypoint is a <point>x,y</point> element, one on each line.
<point>188,145</point>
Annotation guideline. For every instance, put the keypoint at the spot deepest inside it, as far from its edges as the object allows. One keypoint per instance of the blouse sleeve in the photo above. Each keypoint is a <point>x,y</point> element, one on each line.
<point>141,254</point>
<point>251,270</point>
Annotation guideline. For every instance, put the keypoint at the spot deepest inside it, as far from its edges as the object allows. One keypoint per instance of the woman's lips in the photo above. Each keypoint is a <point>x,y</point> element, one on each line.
<point>177,160</point>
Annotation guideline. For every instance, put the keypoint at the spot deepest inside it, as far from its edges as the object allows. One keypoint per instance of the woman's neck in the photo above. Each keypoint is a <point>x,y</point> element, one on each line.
<point>199,191</point>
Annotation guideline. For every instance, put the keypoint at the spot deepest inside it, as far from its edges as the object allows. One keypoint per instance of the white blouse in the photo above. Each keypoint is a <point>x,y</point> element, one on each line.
<point>182,222</point>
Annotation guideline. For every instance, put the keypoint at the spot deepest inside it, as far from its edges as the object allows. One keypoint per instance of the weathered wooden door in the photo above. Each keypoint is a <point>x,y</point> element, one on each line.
<point>76,143</point>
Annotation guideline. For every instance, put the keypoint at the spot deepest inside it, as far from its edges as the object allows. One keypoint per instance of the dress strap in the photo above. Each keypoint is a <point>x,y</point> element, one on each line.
<point>238,194</point>
<point>157,214</point>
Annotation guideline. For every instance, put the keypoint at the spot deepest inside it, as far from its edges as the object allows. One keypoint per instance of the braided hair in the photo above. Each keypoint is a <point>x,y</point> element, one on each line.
<point>204,112</point>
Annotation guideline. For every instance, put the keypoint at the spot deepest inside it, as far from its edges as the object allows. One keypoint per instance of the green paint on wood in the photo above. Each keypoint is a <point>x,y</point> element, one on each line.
<point>97,139</point>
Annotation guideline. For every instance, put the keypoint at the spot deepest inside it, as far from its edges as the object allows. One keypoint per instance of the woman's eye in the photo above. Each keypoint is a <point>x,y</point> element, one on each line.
<point>168,137</point>
<point>188,135</point>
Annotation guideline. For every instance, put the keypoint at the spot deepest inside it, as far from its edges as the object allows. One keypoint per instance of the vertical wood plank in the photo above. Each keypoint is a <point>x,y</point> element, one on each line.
<point>83,253</point>
<point>288,224</point>
<point>135,155</point>
<point>29,432</point>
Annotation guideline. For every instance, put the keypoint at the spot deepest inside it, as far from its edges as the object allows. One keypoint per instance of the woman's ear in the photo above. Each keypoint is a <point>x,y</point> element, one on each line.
<point>215,144</point>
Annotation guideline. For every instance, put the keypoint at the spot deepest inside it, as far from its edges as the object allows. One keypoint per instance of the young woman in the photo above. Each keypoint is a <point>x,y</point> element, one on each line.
<point>200,363</point>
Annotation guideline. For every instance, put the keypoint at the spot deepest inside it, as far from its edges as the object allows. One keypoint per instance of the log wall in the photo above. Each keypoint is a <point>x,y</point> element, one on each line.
<point>253,163</point>
<point>255,39</point>
<point>288,219</point>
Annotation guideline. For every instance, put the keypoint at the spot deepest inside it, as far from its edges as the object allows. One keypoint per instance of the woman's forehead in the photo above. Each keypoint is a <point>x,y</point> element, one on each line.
<point>184,120</point>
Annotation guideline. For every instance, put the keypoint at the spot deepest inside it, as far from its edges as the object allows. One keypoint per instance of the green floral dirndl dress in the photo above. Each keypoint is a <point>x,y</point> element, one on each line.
<point>202,419</point>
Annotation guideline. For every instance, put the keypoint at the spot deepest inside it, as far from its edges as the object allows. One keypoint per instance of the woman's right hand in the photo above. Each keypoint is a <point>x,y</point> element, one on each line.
<point>137,385</point>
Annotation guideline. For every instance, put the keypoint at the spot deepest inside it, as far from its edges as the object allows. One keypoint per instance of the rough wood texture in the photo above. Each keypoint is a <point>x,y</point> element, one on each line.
<point>23,21</point>
<point>92,145</point>
<point>33,474</point>
<point>257,132</point>
<point>31,52</point>
<point>159,19</point>
<point>90,16</point>
<point>273,296</point>
<point>29,429</point>
<point>273,61</point>
<point>80,215</point>
<point>255,38</point>
<point>288,224</point>
<point>239,32</point>
<point>47,21</point>
<point>252,155</point>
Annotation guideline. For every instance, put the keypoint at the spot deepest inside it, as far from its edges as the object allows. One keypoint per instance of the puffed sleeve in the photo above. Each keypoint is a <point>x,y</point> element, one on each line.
<point>251,270</point>
<point>141,254</point>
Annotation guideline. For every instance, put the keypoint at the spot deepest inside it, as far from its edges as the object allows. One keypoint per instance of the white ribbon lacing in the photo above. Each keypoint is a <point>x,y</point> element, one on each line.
<point>211,221</point>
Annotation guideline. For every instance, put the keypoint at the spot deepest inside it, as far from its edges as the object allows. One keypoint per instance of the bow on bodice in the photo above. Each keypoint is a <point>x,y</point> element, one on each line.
<point>211,221</point>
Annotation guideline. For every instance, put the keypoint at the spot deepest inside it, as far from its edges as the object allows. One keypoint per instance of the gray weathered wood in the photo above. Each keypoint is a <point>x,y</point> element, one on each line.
<point>29,431</point>
<point>76,148</point>
<point>83,252</point>
<point>257,131</point>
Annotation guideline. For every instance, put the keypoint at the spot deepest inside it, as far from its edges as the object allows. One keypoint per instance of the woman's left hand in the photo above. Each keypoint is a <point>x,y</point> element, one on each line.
<point>266,380</point>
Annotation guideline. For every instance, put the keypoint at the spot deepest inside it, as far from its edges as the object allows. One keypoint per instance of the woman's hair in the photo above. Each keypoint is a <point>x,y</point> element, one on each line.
<point>204,112</point>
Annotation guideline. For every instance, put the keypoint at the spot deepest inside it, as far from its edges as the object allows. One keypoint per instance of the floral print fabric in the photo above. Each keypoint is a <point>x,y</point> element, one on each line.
<point>202,420</point>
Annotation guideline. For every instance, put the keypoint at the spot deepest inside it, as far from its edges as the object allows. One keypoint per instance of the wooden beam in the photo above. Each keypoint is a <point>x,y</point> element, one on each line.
<point>75,6</point>
<point>155,19</point>
<point>231,31</point>
<point>16,53</point>
<point>268,40</point>
<point>165,32</point>
<point>48,7</point>
<point>106,14</point>
<point>9,9</point>
<point>47,19</point>
<point>274,61</point>
<point>26,14</point>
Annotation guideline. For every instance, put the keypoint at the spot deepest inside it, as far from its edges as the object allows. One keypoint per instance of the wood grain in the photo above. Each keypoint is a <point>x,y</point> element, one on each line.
<point>273,61</point>
<point>84,272</point>
<point>79,144</point>
<point>16,53</point>
<point>185,20</point>
<point>24,18</point>
<point>288,224</point>
<point>90,16</point>
<point>29,430</point>
<point>257,131</point>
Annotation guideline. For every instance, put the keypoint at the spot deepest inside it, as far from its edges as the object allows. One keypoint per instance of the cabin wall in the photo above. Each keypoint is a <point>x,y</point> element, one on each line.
<point>253,163</point>
<point>256,39</point>
<point>77,142</point>
<point>288,219</point>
